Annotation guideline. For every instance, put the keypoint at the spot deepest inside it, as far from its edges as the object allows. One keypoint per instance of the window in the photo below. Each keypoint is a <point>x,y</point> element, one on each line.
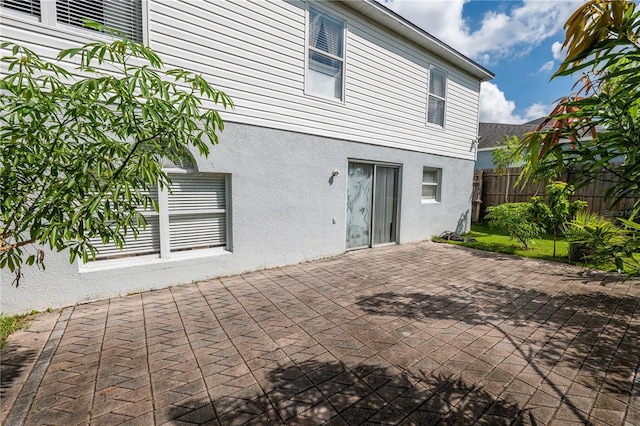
<point>430,184</point>
<point>325,61</point>
<point>122,15</point>
<point>436,98</point>
<point>193,215</point>
<point>30,7</point>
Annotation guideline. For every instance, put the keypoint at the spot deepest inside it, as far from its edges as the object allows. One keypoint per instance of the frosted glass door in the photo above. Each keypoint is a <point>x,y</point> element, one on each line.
<point>359,199</point>
<point>385,205</point>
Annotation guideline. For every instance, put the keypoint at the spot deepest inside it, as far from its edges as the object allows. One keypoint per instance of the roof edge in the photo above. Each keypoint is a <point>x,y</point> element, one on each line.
<point>387,17</point>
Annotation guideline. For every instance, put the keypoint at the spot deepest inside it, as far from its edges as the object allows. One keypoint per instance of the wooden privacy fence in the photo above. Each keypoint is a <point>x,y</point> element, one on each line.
<point>490,189</point>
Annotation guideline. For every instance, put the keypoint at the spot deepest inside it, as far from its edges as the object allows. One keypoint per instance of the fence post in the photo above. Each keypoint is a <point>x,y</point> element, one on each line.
<point>476,196</point>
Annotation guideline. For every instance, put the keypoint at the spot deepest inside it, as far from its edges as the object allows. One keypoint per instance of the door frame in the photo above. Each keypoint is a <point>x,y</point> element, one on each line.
<point>375,164</point>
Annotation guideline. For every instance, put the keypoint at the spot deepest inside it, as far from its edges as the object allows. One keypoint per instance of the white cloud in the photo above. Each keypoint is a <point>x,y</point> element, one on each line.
<point>496,108</point>
<point>500,34</point>
<point>557,51</point>
<point>547,66</point>
<point>537,110</point>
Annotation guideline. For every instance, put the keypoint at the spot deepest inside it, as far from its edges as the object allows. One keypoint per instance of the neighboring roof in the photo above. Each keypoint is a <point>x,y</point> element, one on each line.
<point>391,20</point>
<point>492,133</point>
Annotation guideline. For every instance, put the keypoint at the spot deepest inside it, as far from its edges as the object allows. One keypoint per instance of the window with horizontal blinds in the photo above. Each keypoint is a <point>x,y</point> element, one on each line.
<point>192,215</point>
<point>122,15</point>
<point>437,96</point>
<point>325,61</point>
<point>197,212</point>
<point>30,7</point>
<point>147,241</point>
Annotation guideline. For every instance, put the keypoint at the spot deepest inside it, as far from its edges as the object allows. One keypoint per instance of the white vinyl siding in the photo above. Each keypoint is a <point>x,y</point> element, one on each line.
<point>255,50</point>
<point>431,184</point>
<point>192,215</point>
<point>325,58</point>
<point>436,106</point>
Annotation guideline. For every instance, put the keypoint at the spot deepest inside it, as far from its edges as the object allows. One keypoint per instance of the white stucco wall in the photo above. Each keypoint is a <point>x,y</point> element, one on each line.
<point>283,209</point>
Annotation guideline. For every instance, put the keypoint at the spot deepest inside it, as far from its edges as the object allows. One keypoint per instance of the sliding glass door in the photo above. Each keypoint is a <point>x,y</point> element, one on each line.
<point>372,204</point>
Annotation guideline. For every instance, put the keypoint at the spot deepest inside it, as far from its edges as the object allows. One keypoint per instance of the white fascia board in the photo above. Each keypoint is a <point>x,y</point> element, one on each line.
<point>389,19</point>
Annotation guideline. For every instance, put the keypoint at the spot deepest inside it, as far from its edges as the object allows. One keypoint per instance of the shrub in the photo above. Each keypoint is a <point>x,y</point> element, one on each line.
<point>593,238</point>
<point>515,219</point>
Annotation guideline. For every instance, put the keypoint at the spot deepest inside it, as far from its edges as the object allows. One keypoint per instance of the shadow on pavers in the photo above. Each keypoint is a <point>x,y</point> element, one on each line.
<point>312,392</point>
<point>13,361</point>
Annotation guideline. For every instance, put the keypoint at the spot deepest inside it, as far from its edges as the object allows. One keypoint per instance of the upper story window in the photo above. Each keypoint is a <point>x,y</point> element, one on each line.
<point>437,97</point>
<point>325,61</point>
<point>30,7</point>
<point>122,15</point>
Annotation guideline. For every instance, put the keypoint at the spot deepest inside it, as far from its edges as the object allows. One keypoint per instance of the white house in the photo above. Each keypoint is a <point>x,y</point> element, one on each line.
<point>353,128</point>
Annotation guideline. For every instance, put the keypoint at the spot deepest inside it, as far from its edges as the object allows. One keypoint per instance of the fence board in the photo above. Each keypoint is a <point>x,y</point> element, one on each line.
<point>490,188</point>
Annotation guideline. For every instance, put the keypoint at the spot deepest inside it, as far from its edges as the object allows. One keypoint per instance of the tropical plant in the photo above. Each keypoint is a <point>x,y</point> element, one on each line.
<point>506,155</point>
<point>593,238</point>
<point>558,210</point>
<point>80,150</point>
<point>600,122</point>
<point>516,220</point>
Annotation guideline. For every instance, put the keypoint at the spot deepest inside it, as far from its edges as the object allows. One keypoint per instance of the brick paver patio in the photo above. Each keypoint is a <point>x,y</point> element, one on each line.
<point>419,334</point>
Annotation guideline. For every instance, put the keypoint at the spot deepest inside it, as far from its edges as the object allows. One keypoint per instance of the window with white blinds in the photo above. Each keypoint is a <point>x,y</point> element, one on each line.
<point>197,212</point>
<point>122,15</point>
<point>30,7</point>
<point>325,61</point>
<point>436,98</point>
<point>192,215</point>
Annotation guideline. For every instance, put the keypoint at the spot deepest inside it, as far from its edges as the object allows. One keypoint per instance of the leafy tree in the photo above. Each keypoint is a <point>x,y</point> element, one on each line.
<point>555,214</point>
<point>516,219</point>
<point>602,42</point>
<point>507,155</point>
<point>79,151</point>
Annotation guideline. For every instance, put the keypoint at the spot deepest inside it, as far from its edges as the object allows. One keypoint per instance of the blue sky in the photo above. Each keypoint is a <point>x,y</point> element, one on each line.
<point>519,41</point>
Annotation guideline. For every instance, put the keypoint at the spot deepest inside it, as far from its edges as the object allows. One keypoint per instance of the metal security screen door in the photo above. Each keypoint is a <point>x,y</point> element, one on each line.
<point>372,205</point>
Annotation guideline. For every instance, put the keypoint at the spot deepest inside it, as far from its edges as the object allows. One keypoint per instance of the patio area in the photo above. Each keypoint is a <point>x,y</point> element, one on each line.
<point>415,334</point>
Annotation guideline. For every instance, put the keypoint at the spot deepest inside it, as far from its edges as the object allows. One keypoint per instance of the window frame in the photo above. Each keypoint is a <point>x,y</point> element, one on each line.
<point>308,49</point>
<point>48,18</point>
<point>441,98</point>
<point>165,252</point>
<point>437,184</point>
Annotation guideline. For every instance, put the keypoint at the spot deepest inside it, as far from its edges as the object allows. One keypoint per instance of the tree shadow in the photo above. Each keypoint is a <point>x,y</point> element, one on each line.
<point>593,334</point>
<point>315,392</point>
<point>12,364</point>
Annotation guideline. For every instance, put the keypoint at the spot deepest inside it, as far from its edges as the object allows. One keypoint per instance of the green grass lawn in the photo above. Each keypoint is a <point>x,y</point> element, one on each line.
<point>489,239</point>
<point>11,324</point>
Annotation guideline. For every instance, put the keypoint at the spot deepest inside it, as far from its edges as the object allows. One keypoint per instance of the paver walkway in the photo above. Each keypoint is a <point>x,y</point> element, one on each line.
<point>414,334</point>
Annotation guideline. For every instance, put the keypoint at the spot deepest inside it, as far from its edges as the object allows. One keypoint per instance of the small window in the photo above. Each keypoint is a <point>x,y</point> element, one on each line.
<point>30,7</point>
<point>325,61</point>
<point>430,184</point>
<point>122,15</point>
<point>436,99</point>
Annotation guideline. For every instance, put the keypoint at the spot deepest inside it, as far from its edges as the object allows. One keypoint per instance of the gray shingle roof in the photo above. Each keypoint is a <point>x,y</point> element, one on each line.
<point>492,133</point>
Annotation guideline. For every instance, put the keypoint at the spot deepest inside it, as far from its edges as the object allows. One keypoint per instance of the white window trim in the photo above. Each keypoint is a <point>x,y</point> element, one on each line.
<point>307,49</point>
<point>49,19</point>
<point>446,90</point>
<point>437,184</point>
<point>165,254</point>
